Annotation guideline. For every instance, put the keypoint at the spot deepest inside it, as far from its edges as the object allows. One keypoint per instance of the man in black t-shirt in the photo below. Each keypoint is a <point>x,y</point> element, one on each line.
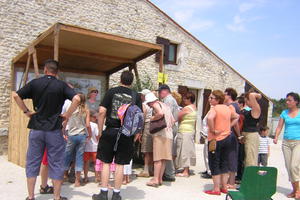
<point>113,99</point>
<point>48,96</point>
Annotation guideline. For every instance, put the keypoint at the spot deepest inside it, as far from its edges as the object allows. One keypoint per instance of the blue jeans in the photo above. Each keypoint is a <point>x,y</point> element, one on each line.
<point>75,145</point>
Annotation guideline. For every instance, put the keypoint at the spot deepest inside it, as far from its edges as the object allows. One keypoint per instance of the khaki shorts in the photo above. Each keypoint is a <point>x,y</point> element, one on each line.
<point>147,140</point>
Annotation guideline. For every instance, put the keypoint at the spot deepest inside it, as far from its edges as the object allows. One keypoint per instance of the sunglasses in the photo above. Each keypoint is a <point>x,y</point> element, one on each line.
<point>94,91</point>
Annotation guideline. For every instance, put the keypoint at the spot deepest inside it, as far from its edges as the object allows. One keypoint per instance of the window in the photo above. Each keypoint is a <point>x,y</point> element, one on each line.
<point>172,57</point>
<point>170,51</point>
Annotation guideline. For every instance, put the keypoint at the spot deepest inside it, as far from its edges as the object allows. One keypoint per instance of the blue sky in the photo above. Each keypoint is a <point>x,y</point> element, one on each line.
<point>259,38</point>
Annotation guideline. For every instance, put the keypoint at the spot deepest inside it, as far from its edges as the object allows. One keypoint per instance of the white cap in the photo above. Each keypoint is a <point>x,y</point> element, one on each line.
<point>150,97</point>
<point>145,92</point>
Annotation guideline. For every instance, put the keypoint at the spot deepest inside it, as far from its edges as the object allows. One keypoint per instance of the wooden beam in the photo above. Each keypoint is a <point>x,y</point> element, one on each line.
<point>34,43</point>
<point>79,71</point>
<point>99,56</point>
<point>118,68</point>
<point>63,69</point>
<point>27,69</point>
<point>56,42</point>
<point>83,31</point>
<point>145,55</point>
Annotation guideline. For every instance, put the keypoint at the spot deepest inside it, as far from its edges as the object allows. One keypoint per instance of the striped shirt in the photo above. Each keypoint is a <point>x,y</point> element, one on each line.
<point>263,145</point>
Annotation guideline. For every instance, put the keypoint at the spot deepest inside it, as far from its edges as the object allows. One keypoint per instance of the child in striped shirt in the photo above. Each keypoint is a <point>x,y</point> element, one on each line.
<point>264,147</point>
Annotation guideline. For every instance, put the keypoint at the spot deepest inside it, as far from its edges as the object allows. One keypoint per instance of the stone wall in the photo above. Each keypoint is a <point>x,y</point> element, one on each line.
<point>23,20</point>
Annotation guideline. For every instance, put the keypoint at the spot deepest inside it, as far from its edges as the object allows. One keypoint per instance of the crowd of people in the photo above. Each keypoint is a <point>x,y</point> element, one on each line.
<point>72,131</point>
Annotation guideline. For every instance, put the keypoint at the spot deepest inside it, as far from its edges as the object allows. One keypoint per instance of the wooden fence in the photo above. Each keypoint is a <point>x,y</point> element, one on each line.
<point>18,133</point>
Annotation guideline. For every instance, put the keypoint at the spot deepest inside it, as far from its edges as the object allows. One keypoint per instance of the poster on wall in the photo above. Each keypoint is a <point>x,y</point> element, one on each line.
<point>80,82</point>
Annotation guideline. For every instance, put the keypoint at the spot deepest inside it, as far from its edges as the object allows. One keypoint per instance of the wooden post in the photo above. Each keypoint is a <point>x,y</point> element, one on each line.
<point>27,69</point>
<point>138,81</point>
<point>161,61</point>
<point>56,42</point>
<point>35,63</point>
<point>107,82</point>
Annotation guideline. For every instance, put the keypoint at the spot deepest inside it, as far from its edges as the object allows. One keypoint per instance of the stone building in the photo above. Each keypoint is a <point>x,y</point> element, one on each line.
<point>190,65</point>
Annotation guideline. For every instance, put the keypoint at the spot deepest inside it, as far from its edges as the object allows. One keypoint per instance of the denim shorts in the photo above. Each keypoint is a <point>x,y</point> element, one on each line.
<point>75,147</point>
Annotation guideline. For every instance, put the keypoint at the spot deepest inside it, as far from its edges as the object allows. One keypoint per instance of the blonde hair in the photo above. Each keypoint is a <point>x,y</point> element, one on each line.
<point>82,105</point>
<point>177,97</point>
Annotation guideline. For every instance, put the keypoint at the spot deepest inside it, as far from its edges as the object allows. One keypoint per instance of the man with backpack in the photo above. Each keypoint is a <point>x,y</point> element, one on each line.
<point>113,144</point>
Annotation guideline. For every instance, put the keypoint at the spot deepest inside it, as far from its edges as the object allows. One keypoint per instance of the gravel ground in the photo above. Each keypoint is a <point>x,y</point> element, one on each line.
<point>13,184</point>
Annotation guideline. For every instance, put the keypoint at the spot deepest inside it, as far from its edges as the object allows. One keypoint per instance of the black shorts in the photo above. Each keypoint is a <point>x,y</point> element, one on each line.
<point>219,161</point>
<point>124,152</point>
<point>233,153</point>
<point>263,159</point>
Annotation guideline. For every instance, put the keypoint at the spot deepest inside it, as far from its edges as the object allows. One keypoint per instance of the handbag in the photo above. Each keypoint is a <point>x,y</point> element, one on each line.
<point>158,125</point>
<point>212,146</point>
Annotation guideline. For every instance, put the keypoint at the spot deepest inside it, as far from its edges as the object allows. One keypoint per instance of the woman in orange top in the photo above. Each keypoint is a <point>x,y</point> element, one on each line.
<point>220,120</point>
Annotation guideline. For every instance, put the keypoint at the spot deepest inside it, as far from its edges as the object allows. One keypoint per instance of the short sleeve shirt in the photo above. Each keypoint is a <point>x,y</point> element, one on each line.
<point>114,99</point>
<point>292,126</point>
<point>172,103</point>
<point>48,95</point>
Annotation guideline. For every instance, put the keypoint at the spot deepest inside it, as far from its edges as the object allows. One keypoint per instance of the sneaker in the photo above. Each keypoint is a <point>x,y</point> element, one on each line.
<point>116,196</point>
<point>205,172</point>
<point>101,196</point>
<point>168,179</point>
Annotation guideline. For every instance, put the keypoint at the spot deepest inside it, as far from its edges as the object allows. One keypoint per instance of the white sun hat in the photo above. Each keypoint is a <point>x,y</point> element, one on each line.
<point>150,97</point>
<point>145,92</point>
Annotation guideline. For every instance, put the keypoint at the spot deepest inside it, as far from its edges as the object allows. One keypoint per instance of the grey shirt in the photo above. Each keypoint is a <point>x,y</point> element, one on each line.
<point>172,103</point>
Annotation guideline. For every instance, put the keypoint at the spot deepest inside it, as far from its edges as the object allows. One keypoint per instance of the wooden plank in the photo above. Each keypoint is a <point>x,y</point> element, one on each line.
<point>109,36</point>
<point>26,69</point>
<point>18,133</point>
<point>34,43</point>
<point>87,54</point>
<point>56,42</point>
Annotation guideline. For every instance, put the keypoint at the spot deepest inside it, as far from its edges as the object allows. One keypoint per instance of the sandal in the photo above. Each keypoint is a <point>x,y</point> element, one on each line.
<point>46,190</point>
<point>151,184</point>
<point>224,191</point>
<point>27,198</point>
<point>291,195</point>
<point>212,192</point>
<point>61,198</point>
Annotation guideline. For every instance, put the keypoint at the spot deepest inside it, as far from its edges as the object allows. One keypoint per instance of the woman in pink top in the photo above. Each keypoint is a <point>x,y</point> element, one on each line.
<point>220,120</point>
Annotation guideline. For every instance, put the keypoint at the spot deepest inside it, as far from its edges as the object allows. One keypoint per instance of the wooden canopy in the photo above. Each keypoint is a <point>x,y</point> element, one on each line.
<point>85,51</point>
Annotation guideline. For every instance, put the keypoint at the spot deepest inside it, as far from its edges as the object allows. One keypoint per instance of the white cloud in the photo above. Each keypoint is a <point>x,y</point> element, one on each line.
<point>186,12</point>
<point>244,7</point>
<point>201,25</point>
<point>275,76</point>
<point>240,21</point>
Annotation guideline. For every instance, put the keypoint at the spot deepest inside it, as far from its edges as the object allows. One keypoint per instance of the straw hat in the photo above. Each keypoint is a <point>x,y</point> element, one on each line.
<point>92,89</point>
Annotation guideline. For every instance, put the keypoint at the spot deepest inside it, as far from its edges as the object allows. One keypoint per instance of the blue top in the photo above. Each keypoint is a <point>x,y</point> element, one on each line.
<point>292,126</point>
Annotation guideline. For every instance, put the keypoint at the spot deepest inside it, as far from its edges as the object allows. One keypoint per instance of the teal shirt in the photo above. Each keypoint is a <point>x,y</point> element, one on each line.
<point>292,126</point>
